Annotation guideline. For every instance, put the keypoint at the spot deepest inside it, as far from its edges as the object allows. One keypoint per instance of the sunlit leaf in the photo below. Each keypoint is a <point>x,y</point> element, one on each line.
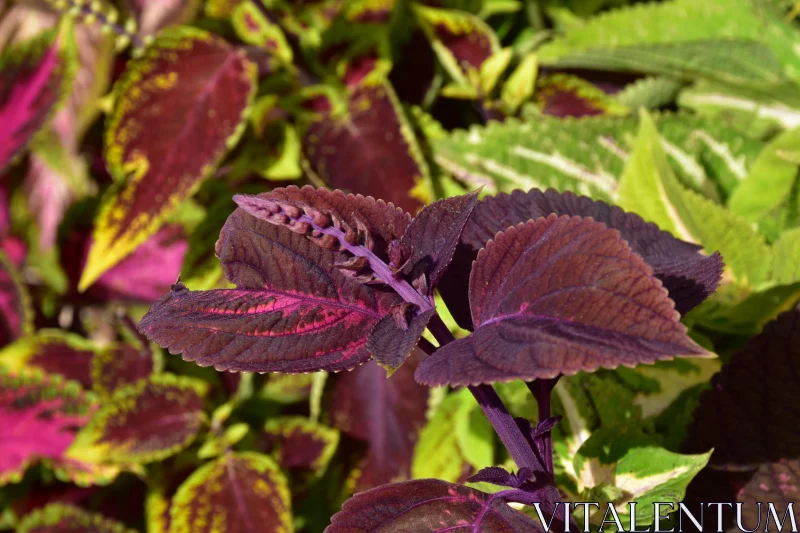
<point>178,109</point>
<point>53,352</point>
<point>237,493</point>
<point>558,296</point>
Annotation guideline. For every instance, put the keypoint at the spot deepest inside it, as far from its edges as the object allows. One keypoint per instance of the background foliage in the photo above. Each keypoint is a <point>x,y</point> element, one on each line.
<point>127,128</point>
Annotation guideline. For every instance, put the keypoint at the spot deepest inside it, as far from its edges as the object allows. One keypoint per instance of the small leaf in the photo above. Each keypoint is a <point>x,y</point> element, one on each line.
<point>563,95</point>
<point>752,395</point>
<point>372,150</point>
<point>288,388</point>
<point>390,342</point>
<point>298,443</point>
<point>121,365</point>
<point>145,422</point>
<point>387,413</point>
<point>39,416</point>
<point>34,77</point>
<point>61,518</point>
<point>53,352</point>
<point>16,318</point>
<point>493,68</point>
<point>238,492</point>
<point>186,84</point>
<point>254,28</point>
<point>558,296</point>
<point>428,505</point>
<point>519,86</point>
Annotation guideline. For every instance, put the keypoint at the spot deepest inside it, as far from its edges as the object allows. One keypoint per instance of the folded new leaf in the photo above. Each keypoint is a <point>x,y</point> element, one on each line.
<point>558,296</point>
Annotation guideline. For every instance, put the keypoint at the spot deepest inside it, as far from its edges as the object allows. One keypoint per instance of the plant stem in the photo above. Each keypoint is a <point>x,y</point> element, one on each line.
<point>542,389</point>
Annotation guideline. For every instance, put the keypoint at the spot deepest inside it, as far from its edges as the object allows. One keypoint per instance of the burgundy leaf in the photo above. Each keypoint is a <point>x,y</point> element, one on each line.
<point>689,276</point>
<point>237,493</point>
<point>15,313</point>
<point>559,296</point>
<point>293,310</point>
<point>564,95</point>
<point>149,420</point>
<point>55,352</point>
<point>393,338</point>
<point>749,417</point>
<point>387,413</point>
<point>39,416</point>
<point>371,150</point>
<point>121,365</point>
<point>433,236</point>
<point>32,78</point>
<point>429,505</point>
<point>61,518</point>
<point>500,476</point>
<point>298,443</point>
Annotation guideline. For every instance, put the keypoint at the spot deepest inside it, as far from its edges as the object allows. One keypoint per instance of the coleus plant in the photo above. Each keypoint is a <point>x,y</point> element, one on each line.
<point>556,284</point>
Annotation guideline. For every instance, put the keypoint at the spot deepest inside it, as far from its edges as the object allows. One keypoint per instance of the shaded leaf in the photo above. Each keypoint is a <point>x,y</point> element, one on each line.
<point>387,413</point>
<point>750,396</point>
<point>237,493</point>
<point>293,310</point>
<point>178,109</point>
<point>394,337</point>
<point>39,417</point>
<point>17,316</point>
<point>371,150</point>
<point>121,365</point>
<point>299,443</point>
<point>558,296</point>
<point>153,15</point>
<point>147,421</point>
<point>61,518</point>
<point>288,388</point>
<point>428,505</point>
<point>54,352</point>
<point>33,79</point>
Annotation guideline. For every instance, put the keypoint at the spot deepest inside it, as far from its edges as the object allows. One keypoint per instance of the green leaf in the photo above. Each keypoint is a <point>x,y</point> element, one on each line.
<point>217,445</point>
<point>235,491</point>
<point>61,518</point>
<point>493,68</point>
<point>519,86</point>
<point>650,92</point>
<point>786,254</point>
<point>253,28</point>
<point>628,465</point>
<point>649,187</point>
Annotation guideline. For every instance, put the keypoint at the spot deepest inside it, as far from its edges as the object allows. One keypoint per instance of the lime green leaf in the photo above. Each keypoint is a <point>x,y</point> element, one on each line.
<point>786,253</point>
<point>254,28</point>
<point>61,518</point>
<point>217,445</point>
<point>493,68</point>
<point>650,92</point>
<point>519,86</point>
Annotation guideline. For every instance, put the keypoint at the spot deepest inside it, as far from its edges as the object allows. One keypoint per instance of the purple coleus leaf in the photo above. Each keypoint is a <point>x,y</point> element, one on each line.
<point>39,417</point>
<point>689,276</point>
<point>749,418</point>
<point>294,308</point>
<point>298,443</point>
<point>429,505</point>
<point>559,296</point>
<point>500,476</point>
<point>387,413</point>
<point>32,81</point>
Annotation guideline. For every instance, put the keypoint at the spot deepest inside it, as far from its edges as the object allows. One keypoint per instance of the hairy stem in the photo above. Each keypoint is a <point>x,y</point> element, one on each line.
<point>542,389</point>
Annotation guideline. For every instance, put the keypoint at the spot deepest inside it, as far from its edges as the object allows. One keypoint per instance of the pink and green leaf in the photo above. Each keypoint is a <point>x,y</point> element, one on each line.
<point>385,412</point>
<point>301,444</point>
<point>39,418</point>
<point>16,318</point>
<point>370,150</point>
<point>179,108</point>
<point>236,493</point>
<point>254,28</point>
<point>121,365</point>
<point>62,518</point>
<point>34,78</point>
<point>430,505</point>
<point>147,421</point>
<point>53,352</point>
<point>559,296</point>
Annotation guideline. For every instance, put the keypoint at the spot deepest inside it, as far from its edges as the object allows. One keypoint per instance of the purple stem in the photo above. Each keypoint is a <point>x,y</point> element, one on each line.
<point>542,390</point>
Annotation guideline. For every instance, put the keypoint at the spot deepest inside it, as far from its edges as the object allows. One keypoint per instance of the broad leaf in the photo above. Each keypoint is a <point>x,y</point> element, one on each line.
<point>650,188</point>
<point>371,150</point>
<point>688,276</point>
<point>293,310</point>
<point>428,505</point>
<point>237,493</point>
<point>61,518</point>
<point>650,92</point>
<point>387,413</point>
<point>786,255</point>
<point>298,443</point>
<point>53,352</point>
<point>17,316</point>
<point>563,95</point>
<point>558,296</point>
<point>39,417</point>
<point>147,421</point>
<point>34,77</point>
<point>752,396</point>
<point>178,109</point>
<point>121,365</point>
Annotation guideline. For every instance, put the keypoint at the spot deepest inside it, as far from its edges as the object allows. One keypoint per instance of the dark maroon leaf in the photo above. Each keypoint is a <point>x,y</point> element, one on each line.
<point>121,365</point>
<point>32,78</point>
<point>60,518</point>
<point>499,476</point>
<point>55,352</point>
<point>394,337</point>
<point>298,443</point>
<point>689,276</point>
<point>564,95</point>
<point>387,413</point>
<point>15,313</point>
<point>293,310</point>
<point>371,150</point>
<point>428,505</point>
<point>749,417</point>
<point>433,236</point>
<point>414,71</point>
<point>559,296</point>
